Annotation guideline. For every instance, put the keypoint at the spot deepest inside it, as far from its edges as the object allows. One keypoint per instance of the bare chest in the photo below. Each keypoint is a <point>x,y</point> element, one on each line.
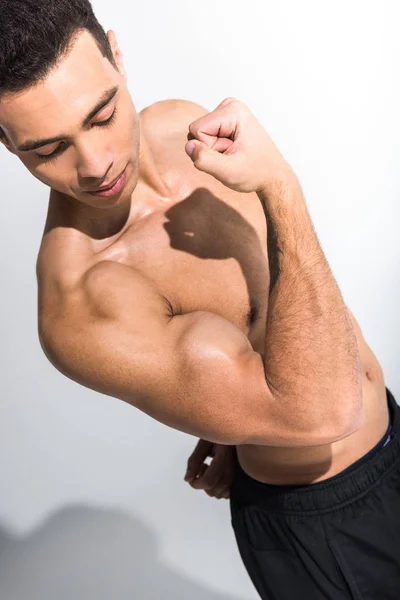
<point>202,254</point>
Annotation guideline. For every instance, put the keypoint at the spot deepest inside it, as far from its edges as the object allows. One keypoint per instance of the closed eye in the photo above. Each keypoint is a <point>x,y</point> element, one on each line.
<point>107,122</point>
<point>63,146</point>
<point>57,151</point>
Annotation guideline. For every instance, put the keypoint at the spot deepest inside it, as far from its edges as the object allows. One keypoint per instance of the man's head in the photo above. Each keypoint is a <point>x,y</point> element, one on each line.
<point>62,77</point>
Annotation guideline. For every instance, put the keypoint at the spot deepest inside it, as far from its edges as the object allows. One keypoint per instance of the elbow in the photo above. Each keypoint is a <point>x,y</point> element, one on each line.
<point>350,426</point>
<point>322,428</point>
<point>322,436</point>
<point>349,420</point>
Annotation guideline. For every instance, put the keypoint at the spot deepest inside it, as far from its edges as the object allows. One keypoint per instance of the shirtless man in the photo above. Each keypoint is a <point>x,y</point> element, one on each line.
<point>160,284</point>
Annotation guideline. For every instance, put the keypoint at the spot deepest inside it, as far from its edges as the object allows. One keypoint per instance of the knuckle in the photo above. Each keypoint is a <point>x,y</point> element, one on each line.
<point>229,100</point>
<point>208,482</point>
<point>193,129</point>
<point>198,159</point>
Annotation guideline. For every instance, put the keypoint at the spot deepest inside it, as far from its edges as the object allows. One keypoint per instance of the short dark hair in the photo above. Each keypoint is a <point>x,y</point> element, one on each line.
<point>36,34</point>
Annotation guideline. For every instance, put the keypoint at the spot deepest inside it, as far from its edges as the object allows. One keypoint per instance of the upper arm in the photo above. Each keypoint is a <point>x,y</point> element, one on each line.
<point>194,372</point>
<point>120,339</point>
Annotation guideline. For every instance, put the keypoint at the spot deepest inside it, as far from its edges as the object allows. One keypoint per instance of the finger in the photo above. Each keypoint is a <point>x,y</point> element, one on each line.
<point>214,485</point>
<point>221,123</point>
<point>196,459</point>
<point>210,493</point>
<point>211,476</point>
<point>225,493</point>
<point>227,101</point>
<point>224,166</point>
<point>202,470</point>
<point>213,494</point>
<point>224,483</point>
<point>220,144</point>
<point>196,483</point>
<point>221,487</point>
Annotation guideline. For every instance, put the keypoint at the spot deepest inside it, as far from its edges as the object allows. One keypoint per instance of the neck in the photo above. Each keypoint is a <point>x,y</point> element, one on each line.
<point>149,174</point>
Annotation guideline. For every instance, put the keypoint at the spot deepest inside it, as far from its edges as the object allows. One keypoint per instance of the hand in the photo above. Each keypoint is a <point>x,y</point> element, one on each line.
<point>215,479</point>
<point>230,144</point>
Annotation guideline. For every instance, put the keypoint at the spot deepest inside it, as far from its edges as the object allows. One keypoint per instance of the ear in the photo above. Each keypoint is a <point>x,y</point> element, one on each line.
<point>116,52</point>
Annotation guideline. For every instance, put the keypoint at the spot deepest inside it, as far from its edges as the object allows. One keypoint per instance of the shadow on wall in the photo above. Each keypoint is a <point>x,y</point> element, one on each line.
<point>91,554</point>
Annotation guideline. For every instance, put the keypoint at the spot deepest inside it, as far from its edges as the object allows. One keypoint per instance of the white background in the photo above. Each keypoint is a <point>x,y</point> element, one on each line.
<point>92,499</point>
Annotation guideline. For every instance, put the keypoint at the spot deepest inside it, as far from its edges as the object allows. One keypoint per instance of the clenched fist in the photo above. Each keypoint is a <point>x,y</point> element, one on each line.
<point>230,144</point>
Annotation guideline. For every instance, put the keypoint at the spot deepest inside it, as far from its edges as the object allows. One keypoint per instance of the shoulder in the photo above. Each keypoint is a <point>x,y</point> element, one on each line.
<point>107,293</point>
<point>171,114</point>
<point>173,106</point>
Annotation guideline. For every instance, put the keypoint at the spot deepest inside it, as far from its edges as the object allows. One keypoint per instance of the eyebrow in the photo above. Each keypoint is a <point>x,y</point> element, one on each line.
<point>104,100</point>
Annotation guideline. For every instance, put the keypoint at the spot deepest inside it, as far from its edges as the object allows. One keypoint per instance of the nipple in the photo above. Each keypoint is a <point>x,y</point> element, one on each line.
<point>370,374</point>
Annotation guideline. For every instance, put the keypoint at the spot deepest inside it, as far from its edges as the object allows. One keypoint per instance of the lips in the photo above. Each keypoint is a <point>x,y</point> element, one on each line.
<point>115,189</point>
<point>106,187</point>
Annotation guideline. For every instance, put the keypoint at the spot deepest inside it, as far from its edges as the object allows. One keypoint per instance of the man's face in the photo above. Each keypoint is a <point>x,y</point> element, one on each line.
<point>93,149</point>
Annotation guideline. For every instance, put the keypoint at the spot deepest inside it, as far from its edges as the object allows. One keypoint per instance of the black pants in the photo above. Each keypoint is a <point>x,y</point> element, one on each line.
<point>337,539</point>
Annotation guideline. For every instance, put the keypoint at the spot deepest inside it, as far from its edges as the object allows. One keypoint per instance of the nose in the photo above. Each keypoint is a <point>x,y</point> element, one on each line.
<point>94,164</point>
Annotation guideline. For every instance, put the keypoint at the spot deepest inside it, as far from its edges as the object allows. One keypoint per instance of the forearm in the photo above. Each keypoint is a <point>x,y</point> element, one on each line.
<point>311,356</point>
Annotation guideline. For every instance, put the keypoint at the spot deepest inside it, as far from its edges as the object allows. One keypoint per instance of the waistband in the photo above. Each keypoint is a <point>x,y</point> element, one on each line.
<point>331,493</point>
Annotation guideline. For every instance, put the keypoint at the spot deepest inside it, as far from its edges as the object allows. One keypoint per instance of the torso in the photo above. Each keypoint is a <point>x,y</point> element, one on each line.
<point>205,248</point>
